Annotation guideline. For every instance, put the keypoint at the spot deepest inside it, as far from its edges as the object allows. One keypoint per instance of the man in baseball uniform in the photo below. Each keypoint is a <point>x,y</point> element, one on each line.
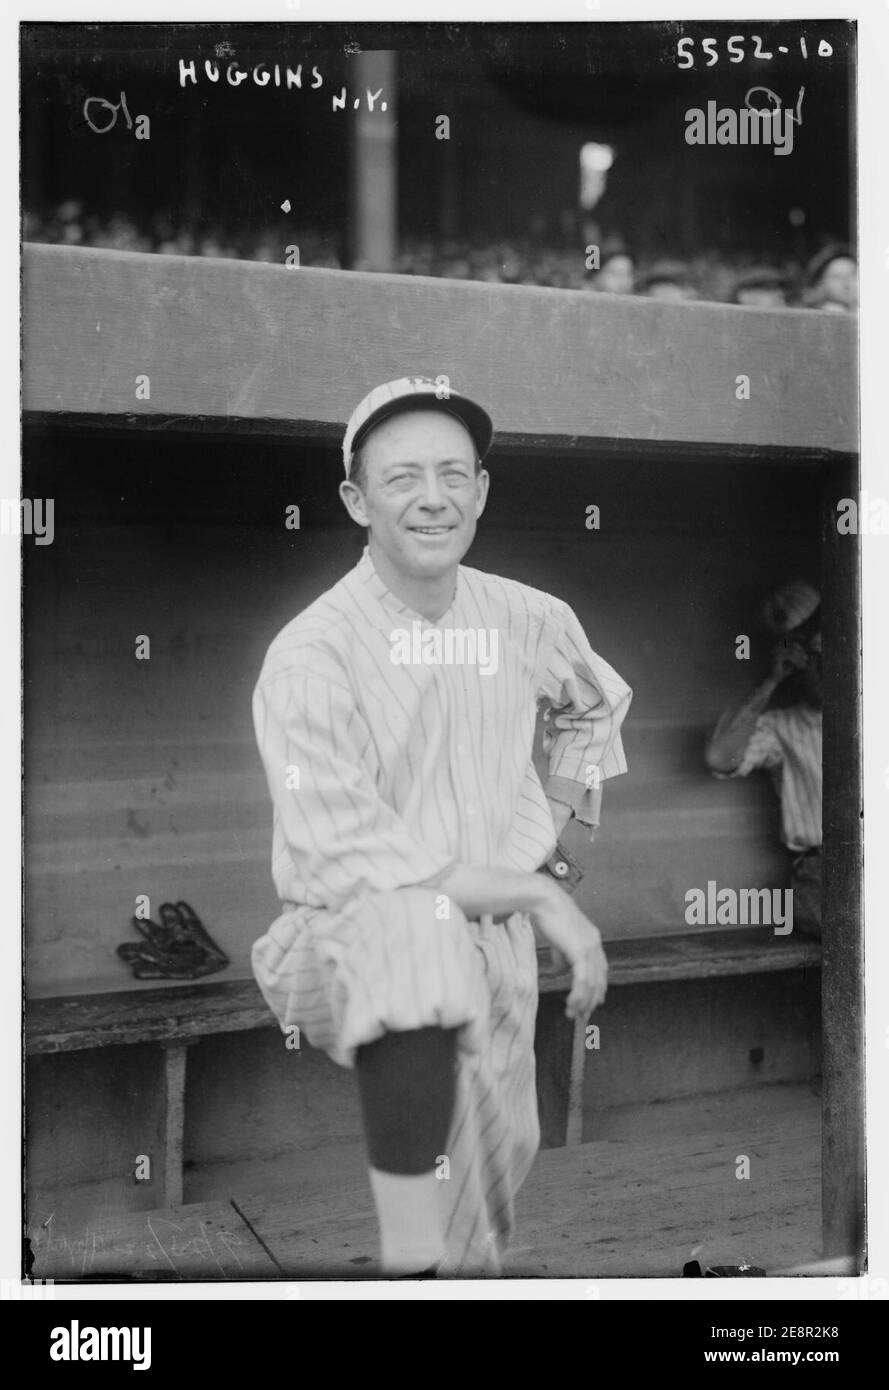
<point>395,717</point>
<point>783,736</point>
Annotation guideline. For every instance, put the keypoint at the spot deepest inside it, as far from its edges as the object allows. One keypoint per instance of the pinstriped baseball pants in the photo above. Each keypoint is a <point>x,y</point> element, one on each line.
<point>387,963</point>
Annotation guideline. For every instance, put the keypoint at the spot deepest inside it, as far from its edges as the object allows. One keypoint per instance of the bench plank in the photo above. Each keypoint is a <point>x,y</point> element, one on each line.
<point>700,956</point>
<point>168,1014</point>
<point>174,1013</point>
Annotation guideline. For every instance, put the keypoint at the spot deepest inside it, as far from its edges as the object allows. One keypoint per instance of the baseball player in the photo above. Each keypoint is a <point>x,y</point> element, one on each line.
<point>785,739</point>
<point>395,717</point>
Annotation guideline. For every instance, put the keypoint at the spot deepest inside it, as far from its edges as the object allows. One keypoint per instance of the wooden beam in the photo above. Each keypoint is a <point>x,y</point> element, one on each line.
<point>175,1058</point>
<point>373,163</point>
<point>574,1125</point>
<point>235,340</point>
<point>842,981</point>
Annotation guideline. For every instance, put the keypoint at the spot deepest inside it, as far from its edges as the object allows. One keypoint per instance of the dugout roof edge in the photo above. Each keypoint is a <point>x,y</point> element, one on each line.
<point>244,341</point>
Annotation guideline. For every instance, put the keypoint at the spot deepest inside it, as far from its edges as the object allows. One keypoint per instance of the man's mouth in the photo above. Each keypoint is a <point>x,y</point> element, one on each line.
<point>430,530</point>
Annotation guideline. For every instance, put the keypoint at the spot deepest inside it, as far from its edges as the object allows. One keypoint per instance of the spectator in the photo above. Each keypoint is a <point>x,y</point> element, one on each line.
<point>616,273</point>
<point>555,260</point>
<point>669,280</point>
<point>832,278</point>
<point>763,287</point>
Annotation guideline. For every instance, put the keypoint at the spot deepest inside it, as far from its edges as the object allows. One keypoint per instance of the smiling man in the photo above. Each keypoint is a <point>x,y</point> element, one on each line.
<point>410,824</point>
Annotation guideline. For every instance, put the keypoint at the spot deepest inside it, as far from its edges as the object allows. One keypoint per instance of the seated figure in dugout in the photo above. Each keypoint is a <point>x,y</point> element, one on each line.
<point>777,727</point>
<point>410,825</point>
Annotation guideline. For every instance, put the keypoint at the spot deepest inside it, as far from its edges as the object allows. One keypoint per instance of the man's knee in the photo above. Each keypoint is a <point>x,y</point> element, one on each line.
<point>406,1083</point>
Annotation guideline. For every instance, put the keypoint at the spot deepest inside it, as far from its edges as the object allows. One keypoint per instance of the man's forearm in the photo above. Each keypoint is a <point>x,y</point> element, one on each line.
<point>498,891</point>
<point>733,732</point>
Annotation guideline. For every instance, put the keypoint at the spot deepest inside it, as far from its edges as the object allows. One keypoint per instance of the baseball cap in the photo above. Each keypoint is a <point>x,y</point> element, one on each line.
<point>790,606</point>
<point>670,272</point>
<point>762,277</point>
<point>407,393</point>
<point>837,251</point>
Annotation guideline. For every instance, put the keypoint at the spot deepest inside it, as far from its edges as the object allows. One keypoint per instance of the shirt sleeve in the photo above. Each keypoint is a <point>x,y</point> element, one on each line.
<point>763,749</point>
<point>589,702</point>
<point>340,839</point>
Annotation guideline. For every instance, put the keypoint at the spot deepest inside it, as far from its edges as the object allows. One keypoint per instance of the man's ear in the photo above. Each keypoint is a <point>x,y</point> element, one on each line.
<point>353,501</point>
<point>482,484</point>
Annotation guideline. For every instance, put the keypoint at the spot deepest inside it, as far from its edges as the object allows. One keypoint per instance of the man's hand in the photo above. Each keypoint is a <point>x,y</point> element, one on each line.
<point>788,656</point>
<point>566,928</point>
<point>478,889</point>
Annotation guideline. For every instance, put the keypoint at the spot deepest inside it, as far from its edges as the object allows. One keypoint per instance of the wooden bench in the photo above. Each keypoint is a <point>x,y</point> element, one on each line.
<point>176,1016</point>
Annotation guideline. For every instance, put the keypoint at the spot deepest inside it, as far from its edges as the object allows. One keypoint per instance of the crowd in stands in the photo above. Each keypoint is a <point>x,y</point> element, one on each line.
<point>829,281</point>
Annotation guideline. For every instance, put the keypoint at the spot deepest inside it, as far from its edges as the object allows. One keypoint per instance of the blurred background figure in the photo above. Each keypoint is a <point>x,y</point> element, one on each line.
<point>69,219</point>
<point>549,253</point>
<point>777,728</point>
<point>832,280</point>
<point>669,280</point>
<point>616,273</point>
<point>763,287</point>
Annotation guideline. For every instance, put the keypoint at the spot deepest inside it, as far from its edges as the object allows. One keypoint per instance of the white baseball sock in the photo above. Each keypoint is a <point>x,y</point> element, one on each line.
<point>409,1215</point>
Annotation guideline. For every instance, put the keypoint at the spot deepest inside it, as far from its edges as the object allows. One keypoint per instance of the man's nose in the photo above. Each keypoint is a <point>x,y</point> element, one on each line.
<point>431,494</point>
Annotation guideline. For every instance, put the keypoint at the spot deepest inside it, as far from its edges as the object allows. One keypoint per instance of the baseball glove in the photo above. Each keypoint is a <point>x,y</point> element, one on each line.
<point>177,948</point>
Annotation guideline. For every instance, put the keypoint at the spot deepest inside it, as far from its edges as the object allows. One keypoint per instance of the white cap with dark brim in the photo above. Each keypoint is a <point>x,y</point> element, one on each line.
<point>408,393</point>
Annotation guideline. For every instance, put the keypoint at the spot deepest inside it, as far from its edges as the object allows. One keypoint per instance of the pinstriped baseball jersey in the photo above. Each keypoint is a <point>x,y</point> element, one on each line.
<point>787,742</point>
<point>386,767</point>
<point>404,769</point>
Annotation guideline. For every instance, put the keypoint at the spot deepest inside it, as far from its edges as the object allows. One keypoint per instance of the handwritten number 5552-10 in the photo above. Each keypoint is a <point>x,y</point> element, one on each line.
<point>735,49</point>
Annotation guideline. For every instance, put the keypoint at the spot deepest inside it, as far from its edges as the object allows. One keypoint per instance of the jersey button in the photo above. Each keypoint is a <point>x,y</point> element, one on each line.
<point>560,868</point>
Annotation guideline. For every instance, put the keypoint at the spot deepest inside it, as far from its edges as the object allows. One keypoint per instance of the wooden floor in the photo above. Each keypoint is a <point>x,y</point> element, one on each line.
<point>660,1188</point>
<point>657,1188</point>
